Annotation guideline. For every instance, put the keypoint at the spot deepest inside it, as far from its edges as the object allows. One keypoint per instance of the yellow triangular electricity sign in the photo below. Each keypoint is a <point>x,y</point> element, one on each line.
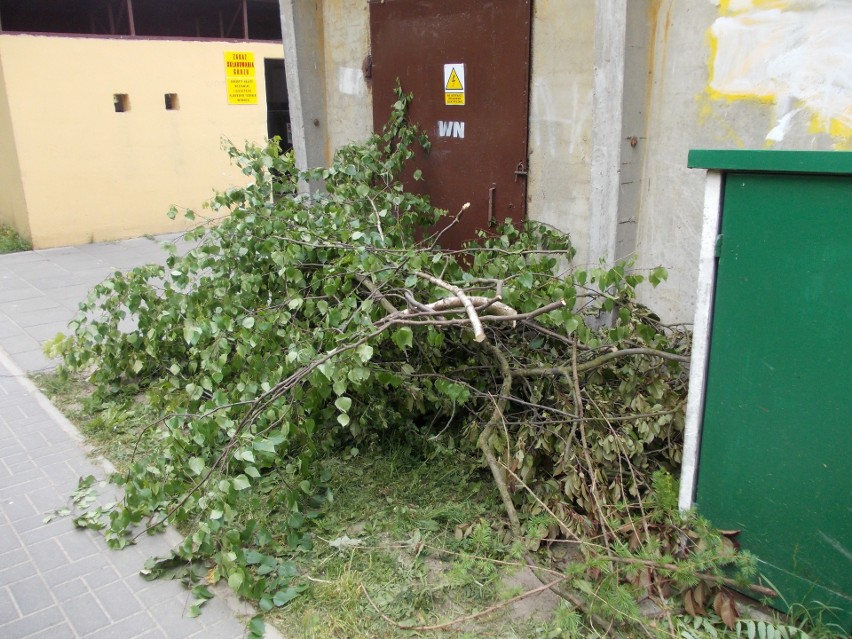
<point>453,83</point>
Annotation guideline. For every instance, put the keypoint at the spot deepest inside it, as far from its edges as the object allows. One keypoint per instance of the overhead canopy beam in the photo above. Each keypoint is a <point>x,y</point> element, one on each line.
<point>130,21</point>
<point>245,19</point>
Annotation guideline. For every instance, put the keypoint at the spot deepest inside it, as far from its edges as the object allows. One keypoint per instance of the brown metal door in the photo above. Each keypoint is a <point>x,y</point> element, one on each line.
<point>467,63</point>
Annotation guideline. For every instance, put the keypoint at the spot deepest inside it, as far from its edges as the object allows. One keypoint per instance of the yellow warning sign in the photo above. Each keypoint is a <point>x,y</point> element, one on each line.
<point>240,77</point>
<point>454,84</point>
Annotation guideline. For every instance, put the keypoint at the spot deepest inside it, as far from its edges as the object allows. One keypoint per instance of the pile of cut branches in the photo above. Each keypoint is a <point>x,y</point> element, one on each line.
<point>302,325</point>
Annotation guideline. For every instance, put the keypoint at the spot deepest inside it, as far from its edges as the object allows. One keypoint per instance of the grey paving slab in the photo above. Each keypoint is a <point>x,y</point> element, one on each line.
<point>32,624</point>
<point>61,631</point>
<point>16,308</point>
<point>40,290</point>
<point>85,614</point>
<point>39,269</point>
<point>31,595</point>
<point>76,293</point>
<point>61,581</point>
<point>16,289</point>
<point>55,580</point>
<point>8,609</point>
<point>48,330</point>
<point>8,328</point>
<point>21,343</point>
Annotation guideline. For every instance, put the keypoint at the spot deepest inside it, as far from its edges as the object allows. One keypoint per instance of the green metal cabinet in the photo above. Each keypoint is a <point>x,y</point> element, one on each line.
<point>769,431</point>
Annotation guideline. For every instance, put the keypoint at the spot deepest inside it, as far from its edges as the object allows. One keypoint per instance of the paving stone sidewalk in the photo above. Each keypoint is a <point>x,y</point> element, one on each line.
<point>57,581</point>
<point>40,290</point>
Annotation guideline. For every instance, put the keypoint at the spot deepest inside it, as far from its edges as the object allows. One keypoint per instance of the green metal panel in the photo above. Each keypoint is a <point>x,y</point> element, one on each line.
<point>775,458</point>
<point>825,162</point>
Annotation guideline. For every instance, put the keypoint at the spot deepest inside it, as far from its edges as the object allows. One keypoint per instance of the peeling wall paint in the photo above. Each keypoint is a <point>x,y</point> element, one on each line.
<point>795,55</point>
<point>346,41</point>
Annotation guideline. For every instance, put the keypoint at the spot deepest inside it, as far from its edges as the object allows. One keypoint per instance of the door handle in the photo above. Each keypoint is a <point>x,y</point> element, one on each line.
<point>491,193</point>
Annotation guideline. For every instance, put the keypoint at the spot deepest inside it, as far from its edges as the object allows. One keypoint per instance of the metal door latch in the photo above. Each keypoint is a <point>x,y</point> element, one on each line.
<point>521,169</point>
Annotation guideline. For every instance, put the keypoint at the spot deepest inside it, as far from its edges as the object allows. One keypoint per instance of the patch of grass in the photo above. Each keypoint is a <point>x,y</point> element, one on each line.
<point>423,534</point>
<point>11,241</point>
<point>401,515</point>
<point>427,533</point>
<point>113,431</point>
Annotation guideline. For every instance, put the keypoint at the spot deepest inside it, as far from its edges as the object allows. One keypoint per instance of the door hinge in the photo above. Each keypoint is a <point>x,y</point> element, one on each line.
<point>717,247</point>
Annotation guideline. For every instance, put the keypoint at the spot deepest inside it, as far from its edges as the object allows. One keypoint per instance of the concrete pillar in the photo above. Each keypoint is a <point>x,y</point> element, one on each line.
<point>623,31</point>
<point>607,105</point>
<point>304,63</point>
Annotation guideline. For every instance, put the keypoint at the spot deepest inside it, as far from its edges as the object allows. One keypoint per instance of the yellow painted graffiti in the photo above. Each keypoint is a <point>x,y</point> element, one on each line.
<point>793,56</point>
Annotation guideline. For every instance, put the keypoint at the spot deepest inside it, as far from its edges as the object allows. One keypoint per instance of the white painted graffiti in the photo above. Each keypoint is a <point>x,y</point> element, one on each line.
<point>795,53</point>
<point>450,129</point>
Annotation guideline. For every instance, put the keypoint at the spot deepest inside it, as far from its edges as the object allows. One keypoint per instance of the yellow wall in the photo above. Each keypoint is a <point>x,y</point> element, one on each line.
<point>91,174</point>
<point>13,206</point>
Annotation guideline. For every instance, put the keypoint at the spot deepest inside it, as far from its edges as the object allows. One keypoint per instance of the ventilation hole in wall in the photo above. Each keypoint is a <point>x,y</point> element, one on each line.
<point>121,102</point>
<point>172,103</point>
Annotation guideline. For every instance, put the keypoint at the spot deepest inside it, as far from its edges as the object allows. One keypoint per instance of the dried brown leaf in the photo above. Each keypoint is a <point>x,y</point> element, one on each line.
<point>728,548</point>
<point>701,593</point>
<point>725,607</point>
<point>635,541</point>
<point>646,578</point>
<point>689,603</point>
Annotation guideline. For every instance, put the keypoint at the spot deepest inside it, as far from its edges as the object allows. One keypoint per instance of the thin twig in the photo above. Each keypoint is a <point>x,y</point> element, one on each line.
<point>484,318</point>
<point>718,579</point>
<point>378,219</point>
<point>452,223</point>
<point>413,303</point>
<point>552,334</point>
<point>598,361</point>
<point>578,404</point>
<point>485,435</point>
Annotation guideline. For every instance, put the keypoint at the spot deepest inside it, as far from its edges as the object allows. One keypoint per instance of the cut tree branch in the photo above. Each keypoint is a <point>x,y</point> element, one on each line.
<point>475,324</point>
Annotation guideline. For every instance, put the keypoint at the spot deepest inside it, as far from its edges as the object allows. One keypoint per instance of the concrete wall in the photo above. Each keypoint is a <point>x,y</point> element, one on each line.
<point>326,43</point>
<point>762,74</point>
<point>560,108</point>
<point>560,135</point>
<point>669,213</point>
<point>89,173</point>
<point>621,90</point>
<point>346,36</point>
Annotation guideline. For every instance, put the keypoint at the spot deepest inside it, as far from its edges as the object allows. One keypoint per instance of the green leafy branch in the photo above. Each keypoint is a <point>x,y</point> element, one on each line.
<point>304,325</point>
